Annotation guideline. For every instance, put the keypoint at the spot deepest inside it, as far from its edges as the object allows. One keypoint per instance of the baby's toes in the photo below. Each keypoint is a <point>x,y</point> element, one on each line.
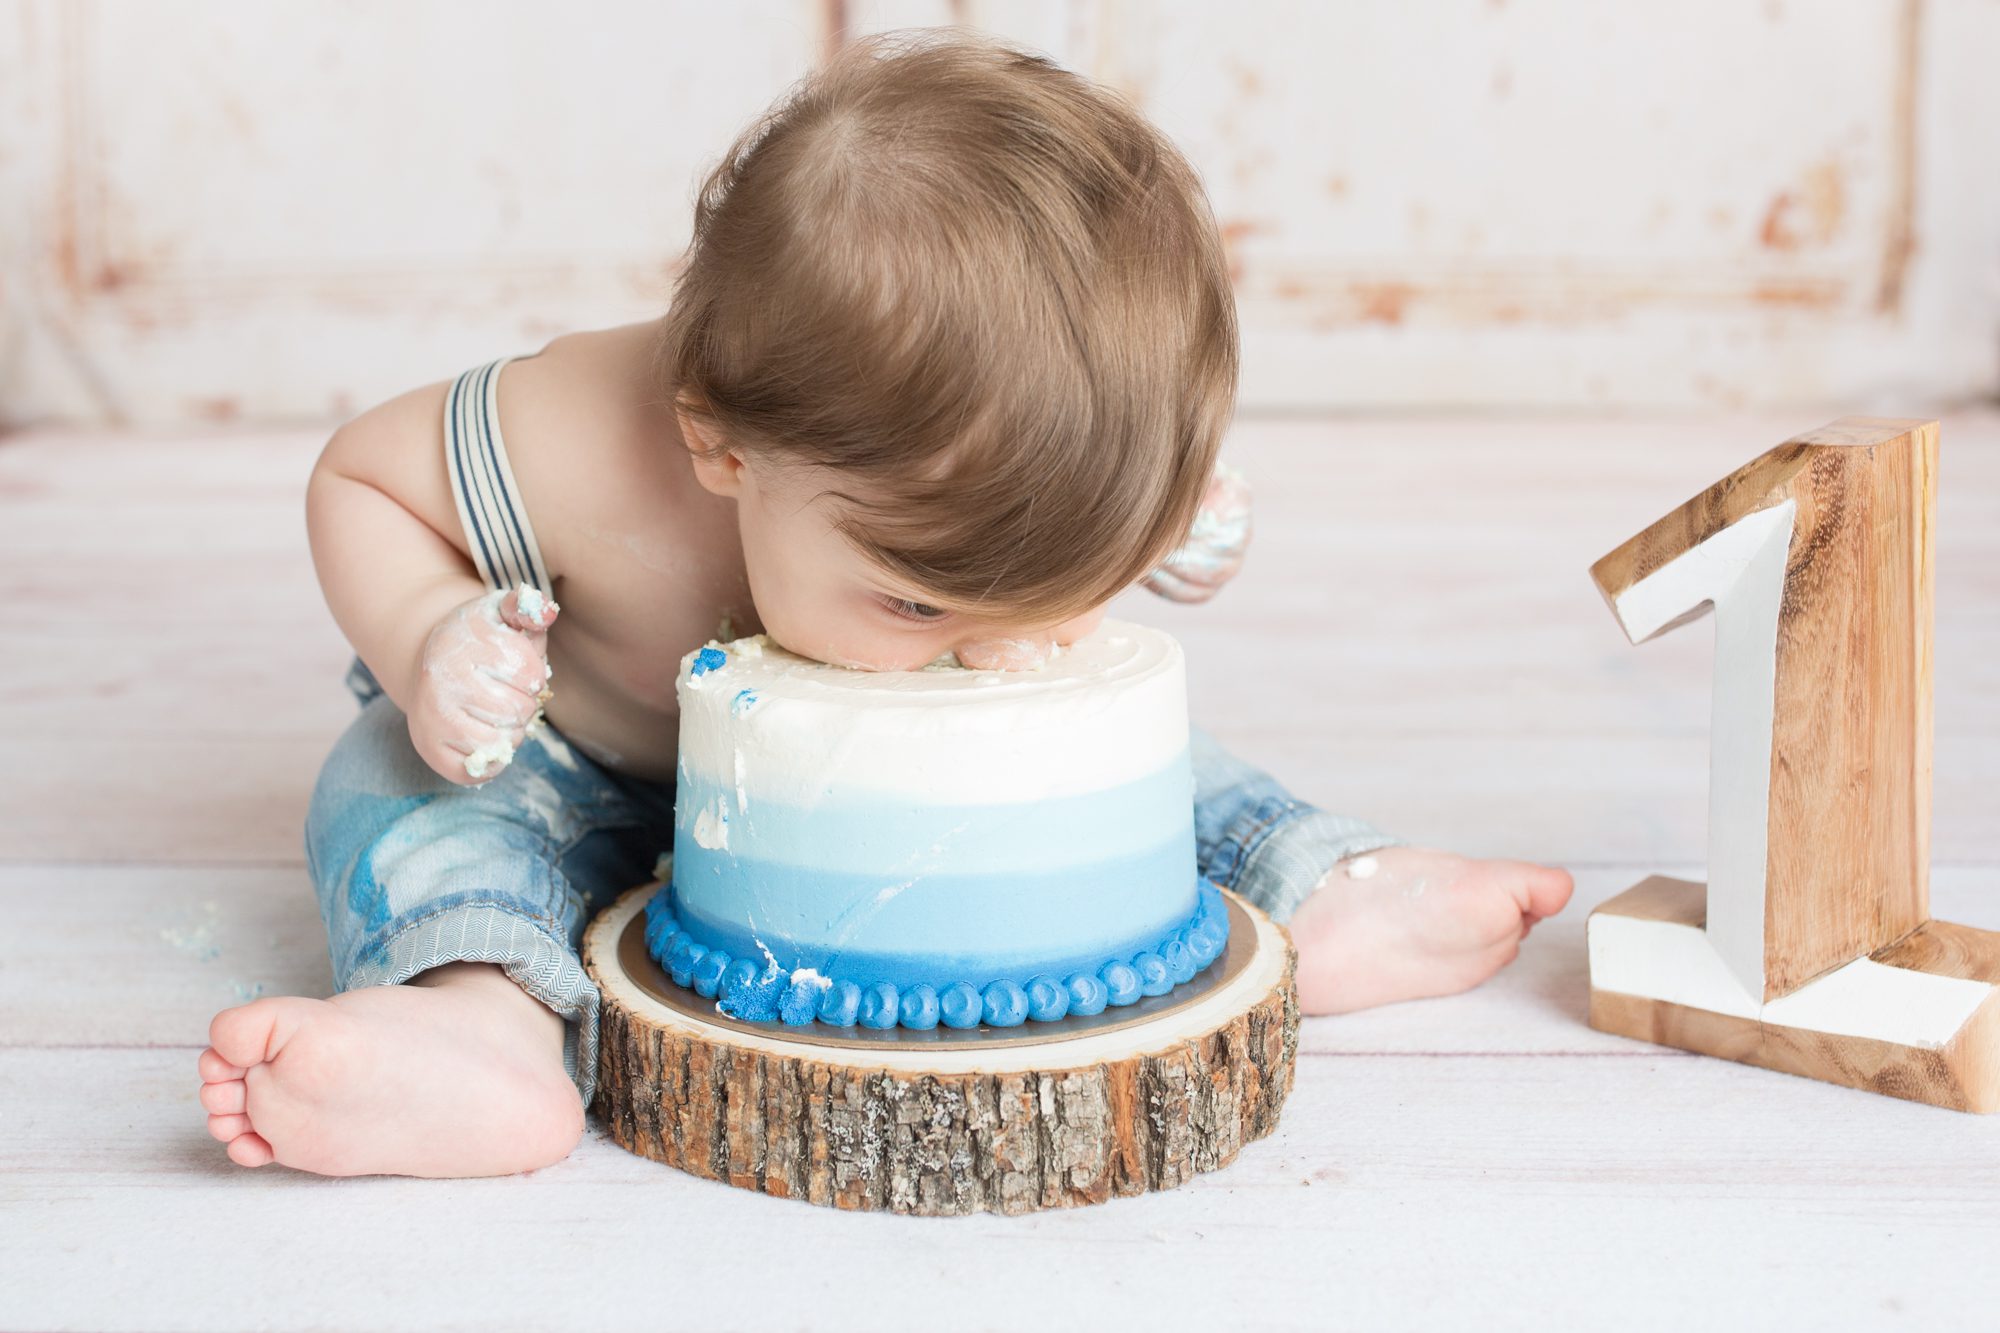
<point>246,1034</point>
<point>215,1069</point>
<point>223,1098</point>
<point>1531,891</point>
<point>1548,890</point>
<point>250,1149</point>
<point>226,1127</point>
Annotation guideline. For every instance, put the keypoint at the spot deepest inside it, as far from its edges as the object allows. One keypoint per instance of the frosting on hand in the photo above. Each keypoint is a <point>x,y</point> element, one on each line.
<point>485,677</point>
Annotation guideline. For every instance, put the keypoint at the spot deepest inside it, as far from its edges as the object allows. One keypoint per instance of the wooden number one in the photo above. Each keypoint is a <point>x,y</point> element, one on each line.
<point>1810,949</point>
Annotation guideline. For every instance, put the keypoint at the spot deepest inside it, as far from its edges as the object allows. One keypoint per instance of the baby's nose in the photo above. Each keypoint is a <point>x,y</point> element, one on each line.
<point>1022,653</point>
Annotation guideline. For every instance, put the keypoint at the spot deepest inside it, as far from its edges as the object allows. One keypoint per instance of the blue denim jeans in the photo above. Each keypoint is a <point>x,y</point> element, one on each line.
<point>413,871</point>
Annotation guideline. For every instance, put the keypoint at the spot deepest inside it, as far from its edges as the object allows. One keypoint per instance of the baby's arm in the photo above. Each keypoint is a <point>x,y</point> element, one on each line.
<point>464,664</point>
<point>1214,548</point>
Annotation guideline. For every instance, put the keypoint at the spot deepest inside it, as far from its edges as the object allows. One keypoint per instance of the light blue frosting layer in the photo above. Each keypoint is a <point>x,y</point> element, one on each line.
<point>875,834</point>
<point>756,988</point>
<point>925,893</point>
<point>940,924</point>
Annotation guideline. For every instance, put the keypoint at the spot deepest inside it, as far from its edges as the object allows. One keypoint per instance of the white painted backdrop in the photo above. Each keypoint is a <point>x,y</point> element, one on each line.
<point>240,210</point>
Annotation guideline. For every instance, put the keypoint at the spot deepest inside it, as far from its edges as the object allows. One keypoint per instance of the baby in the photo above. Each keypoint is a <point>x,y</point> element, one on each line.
<point>946,368</point>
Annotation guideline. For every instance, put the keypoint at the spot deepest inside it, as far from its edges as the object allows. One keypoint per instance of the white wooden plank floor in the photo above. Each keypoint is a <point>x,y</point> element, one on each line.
<point>1416,640</point>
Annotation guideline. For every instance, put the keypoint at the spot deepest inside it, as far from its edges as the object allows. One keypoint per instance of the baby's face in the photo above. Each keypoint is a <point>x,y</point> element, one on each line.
<point>821,598</point>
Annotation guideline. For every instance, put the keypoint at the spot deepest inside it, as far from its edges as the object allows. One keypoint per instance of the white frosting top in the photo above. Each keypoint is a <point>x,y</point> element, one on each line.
<point>768,724</point>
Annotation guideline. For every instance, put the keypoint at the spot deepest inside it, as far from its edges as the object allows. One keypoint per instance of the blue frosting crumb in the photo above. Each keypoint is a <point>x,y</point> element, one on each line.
<point>801,1003</point>
<point>744,701</point>
<point>707,660</point>
<point>744,989</point>
<point>751,992</point>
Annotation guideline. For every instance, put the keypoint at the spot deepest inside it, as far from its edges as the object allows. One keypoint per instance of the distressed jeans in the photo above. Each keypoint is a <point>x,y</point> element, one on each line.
<point>413,871</point>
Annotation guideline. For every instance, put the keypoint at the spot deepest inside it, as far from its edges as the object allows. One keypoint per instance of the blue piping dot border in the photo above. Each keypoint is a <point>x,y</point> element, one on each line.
<point>761,991</point>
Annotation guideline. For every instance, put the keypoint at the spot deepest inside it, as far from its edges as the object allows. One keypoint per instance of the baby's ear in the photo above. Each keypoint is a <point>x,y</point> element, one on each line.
<point>719,470</point>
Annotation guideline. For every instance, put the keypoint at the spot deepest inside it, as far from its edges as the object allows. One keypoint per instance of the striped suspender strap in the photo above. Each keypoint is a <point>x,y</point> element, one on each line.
<point>482,484</point>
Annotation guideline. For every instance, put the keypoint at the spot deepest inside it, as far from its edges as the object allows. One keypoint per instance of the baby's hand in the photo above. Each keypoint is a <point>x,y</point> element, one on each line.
<point>1214,548</point>
<point>485,677</point>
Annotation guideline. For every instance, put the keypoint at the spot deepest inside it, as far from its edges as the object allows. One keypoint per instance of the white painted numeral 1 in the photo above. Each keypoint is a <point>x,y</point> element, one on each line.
<point>1740,572</point>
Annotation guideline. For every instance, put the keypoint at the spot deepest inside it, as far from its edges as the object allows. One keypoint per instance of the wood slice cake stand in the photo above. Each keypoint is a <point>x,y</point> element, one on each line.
<point>1045,1115</point>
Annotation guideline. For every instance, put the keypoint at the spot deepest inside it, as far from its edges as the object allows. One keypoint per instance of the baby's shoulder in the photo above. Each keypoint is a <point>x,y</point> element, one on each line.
<point>582,430</point>
<point>582,388</point>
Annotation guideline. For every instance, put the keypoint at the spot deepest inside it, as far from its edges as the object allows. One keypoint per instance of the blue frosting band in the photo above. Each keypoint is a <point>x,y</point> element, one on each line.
<point>759,990</point>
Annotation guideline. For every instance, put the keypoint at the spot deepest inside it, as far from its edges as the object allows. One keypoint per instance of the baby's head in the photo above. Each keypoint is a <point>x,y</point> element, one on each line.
<point>956,332</point>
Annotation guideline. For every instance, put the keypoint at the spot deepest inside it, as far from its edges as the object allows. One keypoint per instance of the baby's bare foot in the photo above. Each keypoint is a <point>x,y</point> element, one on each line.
<point>457,1073</point>
<point>1406,922</point>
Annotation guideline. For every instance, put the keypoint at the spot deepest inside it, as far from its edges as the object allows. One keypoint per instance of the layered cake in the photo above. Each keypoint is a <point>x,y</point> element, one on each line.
<point>943,847</point>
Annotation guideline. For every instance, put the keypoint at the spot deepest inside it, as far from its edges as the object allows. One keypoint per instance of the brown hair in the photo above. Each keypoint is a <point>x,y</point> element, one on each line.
<point>988,290</point>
